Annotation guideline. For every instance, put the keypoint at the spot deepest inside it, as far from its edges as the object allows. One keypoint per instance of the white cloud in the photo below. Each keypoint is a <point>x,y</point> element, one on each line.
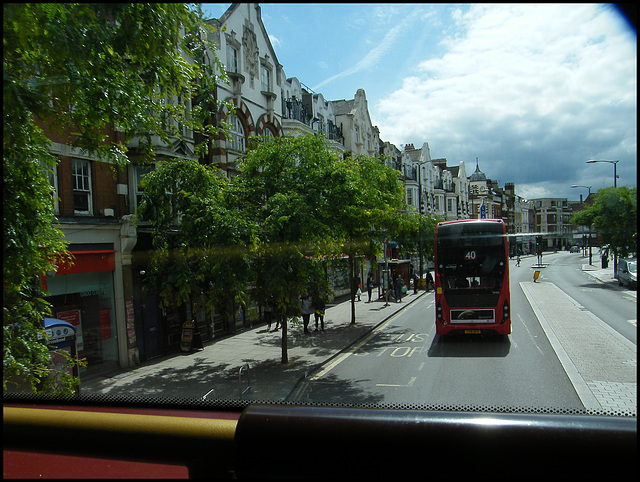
<point>275,42</point>
<point>526,85</point>
<point>377,53</point>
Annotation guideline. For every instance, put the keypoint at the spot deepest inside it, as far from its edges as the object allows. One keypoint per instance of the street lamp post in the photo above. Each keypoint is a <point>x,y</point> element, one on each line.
<point>615,184</point>
<point>586,187</point>
<point>615,175</point>
<point>589,233</point>
<point>420,212</point>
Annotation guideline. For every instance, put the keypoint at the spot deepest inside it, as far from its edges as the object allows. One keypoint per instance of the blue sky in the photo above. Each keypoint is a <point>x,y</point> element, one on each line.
<point>532,91</point>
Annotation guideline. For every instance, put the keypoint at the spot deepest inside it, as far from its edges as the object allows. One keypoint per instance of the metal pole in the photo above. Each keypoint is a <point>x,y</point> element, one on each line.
<point>420,212</point>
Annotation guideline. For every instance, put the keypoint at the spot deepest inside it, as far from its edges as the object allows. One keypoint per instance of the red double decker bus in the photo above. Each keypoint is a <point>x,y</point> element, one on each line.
<point>472,277</point>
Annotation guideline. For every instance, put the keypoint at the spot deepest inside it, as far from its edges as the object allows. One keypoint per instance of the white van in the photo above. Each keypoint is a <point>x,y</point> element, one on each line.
<point>627,272</point>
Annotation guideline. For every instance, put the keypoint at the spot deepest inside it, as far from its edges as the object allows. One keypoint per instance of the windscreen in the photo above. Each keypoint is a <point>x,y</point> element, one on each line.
<point>471,263</point>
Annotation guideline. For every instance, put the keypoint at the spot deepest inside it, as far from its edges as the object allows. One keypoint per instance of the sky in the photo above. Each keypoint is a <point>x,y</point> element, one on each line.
<point>530,91</point>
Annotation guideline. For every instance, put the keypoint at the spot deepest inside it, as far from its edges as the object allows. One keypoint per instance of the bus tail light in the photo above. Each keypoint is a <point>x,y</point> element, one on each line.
<point>505,311</point>
<point>439,313</point>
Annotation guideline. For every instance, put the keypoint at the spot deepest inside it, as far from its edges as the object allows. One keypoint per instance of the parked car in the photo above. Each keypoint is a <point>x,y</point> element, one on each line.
<point>574,249</point>
<point>628,272</point>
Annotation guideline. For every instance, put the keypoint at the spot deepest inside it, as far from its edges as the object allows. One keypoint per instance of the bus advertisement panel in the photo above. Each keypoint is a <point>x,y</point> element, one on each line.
<point>472,277</point>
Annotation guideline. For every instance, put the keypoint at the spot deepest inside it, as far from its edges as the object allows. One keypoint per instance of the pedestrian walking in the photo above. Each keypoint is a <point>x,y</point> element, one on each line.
<point>398,288</point>
<point>306,309</point>
<point>416,280</point>
<point>518,260</point>
<point>357,288</point>
<point>429,280</point>
<point>268,314</point>
<point>369,286</point>
<point>318,310</point>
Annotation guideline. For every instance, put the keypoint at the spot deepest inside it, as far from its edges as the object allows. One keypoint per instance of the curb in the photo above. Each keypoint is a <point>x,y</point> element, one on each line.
<point>317,366</point>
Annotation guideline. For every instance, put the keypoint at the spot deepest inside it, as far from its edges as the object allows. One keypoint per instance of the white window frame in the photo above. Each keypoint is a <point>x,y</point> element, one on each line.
<point>138,173</point>
<point>265,78</point>
<point>81,184</point>
<point>232,59</point>
<point>237,142</point>
<point>268,133</point>
<point>53,180</point>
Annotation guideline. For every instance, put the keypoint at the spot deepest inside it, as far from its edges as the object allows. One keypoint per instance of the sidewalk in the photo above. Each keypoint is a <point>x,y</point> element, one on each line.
<point>220,369</point>
<point>600,363</point>
<point>594,269</point>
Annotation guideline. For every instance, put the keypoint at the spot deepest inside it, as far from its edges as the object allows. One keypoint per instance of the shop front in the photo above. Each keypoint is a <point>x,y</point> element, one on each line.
<point>82,294</point>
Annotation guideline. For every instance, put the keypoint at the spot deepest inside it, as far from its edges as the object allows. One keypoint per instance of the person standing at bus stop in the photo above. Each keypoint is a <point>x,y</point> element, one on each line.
<point>306,309</point>
<point>398,288</point>
<point>369,286</point>
<point>319,309</point>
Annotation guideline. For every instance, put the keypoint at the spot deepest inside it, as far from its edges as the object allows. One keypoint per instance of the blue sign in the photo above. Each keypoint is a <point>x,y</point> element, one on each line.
<point>483,211</point>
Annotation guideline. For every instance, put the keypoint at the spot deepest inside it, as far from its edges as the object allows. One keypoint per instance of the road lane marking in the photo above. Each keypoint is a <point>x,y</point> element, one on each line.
<point>413,379</point>
<point>356,347</point>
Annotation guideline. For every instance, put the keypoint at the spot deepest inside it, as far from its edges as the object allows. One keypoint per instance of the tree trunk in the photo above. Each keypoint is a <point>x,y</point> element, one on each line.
<point>285,356</point>
<point>354,288</point>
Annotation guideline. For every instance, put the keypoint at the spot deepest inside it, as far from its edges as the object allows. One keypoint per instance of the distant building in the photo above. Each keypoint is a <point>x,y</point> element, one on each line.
<point>552,222</point>
<point>352,118</point>
<point>441,190</point>
<point>484,197</point>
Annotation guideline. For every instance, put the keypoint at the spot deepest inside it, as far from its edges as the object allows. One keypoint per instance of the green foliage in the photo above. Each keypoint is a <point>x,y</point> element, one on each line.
<point>413,227</point>
<point>76,70</point>
<point>200,239</point>
<point>614,214</point>
<point>284,187</point>
<point>367,201</point>
<point>83,67</point>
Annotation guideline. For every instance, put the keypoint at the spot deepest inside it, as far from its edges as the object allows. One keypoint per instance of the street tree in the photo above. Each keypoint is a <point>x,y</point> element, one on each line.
<point>418,231</point>
<point>77,70</point>
<point>201,241</point>
<point>284,185</point>
<point>614,216</point>
<point>367,203</point>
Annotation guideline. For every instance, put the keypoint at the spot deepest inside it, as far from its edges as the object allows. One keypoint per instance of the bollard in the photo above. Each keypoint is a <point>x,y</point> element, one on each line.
<point>240,391</point>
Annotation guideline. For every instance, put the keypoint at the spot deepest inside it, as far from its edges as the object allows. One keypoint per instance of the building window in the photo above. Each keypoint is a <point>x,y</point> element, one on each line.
<point>265,78</point>
<point>140,171</point>
<point>81,173</point>
<point>237,134</point>
<point>53,180</point>
<point>232,59</point>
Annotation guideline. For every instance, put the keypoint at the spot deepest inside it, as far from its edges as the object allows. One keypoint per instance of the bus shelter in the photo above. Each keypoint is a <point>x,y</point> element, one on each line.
<point>388,271</point>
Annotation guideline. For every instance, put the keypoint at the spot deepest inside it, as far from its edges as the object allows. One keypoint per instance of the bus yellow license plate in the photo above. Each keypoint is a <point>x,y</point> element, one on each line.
<point>472,332</point>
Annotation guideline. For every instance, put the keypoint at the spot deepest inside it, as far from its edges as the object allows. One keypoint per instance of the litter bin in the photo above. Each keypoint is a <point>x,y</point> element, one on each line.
<point>62,337</point>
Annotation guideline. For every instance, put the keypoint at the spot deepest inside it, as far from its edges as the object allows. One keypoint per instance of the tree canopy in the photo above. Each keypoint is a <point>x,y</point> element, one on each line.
<point>614,214</point>
<point>75,70</point>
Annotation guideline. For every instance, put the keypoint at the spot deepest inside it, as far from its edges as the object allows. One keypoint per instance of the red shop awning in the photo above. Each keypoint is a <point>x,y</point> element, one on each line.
<point>89,261</point>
